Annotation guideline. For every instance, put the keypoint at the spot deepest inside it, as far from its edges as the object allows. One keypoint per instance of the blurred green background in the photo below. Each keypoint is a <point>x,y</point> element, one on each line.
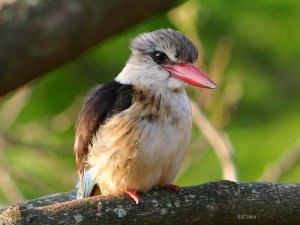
<point>250,48</point>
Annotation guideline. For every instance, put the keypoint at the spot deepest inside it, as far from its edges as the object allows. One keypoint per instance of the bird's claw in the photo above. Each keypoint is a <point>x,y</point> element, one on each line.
<point>134,196</point>
<point>173,187</point>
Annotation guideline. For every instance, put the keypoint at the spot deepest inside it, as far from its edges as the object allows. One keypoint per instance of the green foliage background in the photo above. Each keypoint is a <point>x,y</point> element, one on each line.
<point>264,125</point>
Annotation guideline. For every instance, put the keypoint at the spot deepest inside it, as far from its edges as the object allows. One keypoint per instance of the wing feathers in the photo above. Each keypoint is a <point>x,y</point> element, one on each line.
<point>103,103</point>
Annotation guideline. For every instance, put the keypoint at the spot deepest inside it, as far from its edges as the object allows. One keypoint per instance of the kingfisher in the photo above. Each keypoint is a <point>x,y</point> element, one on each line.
<point>132,132</point>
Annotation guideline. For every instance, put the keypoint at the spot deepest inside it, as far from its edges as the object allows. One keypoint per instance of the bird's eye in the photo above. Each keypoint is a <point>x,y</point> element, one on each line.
<point>159,57</point>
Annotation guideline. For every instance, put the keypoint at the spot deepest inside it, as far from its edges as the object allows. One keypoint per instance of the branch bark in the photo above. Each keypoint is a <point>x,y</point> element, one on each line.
<point>223,202</point>
<point>38,36</point>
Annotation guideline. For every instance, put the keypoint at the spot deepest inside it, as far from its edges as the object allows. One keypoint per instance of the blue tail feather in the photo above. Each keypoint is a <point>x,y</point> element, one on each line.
<point>85,184</point>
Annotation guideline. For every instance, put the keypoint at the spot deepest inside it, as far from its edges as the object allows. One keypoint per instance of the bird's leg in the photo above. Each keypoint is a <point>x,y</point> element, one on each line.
<point>173,187</point>
<point>134,196</point>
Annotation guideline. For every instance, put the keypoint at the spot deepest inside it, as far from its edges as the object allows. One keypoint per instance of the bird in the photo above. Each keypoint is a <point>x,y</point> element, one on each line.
<point>132,133</point>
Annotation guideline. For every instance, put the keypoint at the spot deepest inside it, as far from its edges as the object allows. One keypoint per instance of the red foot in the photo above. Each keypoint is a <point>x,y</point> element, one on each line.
<point>173,187</point>
<point>134,196</point>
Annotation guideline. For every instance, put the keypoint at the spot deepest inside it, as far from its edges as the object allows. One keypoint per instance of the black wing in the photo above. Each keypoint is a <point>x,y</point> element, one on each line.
<point>103,102</point>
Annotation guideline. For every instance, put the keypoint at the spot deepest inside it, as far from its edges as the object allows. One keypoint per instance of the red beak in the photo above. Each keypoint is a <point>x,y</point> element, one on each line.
<point>190,74</point>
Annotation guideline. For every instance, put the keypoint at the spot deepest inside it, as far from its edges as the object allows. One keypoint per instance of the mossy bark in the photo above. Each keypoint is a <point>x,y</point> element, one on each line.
<point>218,203</point>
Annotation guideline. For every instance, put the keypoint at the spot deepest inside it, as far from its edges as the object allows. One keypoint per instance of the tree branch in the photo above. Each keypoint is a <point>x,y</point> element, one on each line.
<point>223,202</point>
<point>222,147</point>
<point>38,36</point>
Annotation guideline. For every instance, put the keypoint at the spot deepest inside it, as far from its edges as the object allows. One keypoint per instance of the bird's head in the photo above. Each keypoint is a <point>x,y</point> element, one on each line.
<point>164,58</point>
